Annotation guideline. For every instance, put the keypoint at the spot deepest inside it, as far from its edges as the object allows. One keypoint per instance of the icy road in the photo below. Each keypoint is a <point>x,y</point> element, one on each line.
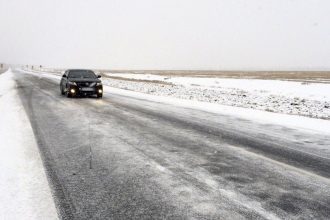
<point>123,157</point>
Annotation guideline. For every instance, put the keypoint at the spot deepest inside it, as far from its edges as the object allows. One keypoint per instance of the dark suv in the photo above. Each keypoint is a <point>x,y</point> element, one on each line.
<point>81,82</point>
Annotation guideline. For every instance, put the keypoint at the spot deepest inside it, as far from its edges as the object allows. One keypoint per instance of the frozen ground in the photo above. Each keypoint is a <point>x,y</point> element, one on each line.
<point>297,98</point>
<point>24,190</point>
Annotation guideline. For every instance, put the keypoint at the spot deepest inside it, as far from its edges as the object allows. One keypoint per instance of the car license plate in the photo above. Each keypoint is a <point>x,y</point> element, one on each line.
<point>87,89</point>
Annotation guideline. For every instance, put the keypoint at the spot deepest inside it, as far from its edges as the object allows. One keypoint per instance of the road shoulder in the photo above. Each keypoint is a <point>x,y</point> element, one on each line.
<point>24,189</point>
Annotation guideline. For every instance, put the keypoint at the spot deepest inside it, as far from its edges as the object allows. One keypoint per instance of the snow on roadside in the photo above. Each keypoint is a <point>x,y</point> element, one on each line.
<point>24,189</point>
<point>311,99</point>
<point>315,91</point>
<point>306,124</point>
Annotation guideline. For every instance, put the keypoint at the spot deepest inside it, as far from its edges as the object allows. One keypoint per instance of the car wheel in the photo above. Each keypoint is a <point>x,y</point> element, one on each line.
<point>99,95</point>
<point>68,94</point>
<point>62,92</point>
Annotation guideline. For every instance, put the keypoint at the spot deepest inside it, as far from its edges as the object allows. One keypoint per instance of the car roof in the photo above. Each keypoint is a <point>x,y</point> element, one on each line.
<point>80,70</point>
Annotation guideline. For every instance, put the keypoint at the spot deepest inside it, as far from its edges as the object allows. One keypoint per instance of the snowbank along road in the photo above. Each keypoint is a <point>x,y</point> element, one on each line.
<point>309,99</point>
<point>124,157</point>
<point>24,190</point>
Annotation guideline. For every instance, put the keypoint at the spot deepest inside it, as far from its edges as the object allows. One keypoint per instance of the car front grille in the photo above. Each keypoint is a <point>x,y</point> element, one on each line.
<point>86,84</point>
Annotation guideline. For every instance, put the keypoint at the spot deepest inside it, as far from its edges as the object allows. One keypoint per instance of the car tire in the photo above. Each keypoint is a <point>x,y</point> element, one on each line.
<point>99,96</point>
<point>68,95</point>
<point>62,92</point>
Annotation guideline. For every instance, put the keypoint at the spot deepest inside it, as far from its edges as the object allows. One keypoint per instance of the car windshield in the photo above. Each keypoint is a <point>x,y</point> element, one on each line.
<point>82,74</point>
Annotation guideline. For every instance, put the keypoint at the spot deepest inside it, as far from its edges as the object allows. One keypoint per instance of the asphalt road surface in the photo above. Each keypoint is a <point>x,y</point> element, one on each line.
<point>125,158</point>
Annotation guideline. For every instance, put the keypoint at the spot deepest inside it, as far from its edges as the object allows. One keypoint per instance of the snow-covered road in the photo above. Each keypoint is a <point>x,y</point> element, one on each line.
<point>164,158</point>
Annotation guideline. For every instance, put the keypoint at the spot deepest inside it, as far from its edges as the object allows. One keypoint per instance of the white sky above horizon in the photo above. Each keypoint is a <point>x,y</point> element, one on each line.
<point>167,34</point>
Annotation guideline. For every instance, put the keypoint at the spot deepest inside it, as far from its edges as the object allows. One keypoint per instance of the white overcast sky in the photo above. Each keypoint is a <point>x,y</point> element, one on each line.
<point>167,34</point>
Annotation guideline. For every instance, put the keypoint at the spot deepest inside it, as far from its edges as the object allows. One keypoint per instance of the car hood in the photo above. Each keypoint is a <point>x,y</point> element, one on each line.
<point>84,80</point>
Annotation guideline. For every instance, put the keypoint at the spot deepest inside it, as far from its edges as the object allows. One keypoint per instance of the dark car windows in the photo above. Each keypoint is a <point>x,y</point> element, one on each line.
<point>82,74</point>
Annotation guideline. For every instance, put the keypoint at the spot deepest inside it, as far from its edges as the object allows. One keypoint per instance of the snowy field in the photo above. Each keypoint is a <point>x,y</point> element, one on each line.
<point>288,97</point>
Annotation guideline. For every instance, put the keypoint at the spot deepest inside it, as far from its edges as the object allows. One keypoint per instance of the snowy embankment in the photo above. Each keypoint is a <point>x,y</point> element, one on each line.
<point>24,189</point>
<point>298,98</point>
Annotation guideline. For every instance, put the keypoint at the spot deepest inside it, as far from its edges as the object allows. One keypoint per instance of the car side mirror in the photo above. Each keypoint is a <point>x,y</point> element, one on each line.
<point>99,76</point>
<point>64,75</point>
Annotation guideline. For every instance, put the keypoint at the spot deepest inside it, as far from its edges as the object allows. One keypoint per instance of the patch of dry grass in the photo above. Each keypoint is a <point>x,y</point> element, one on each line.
<point>3,70</point>
<point>138,80</point>
<point>301,76</point>
<point>285,75</point>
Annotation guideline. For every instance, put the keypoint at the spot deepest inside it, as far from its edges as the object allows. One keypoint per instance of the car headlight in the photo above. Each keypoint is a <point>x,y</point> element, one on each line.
<point>73,83</point>
<point>98,84</point>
